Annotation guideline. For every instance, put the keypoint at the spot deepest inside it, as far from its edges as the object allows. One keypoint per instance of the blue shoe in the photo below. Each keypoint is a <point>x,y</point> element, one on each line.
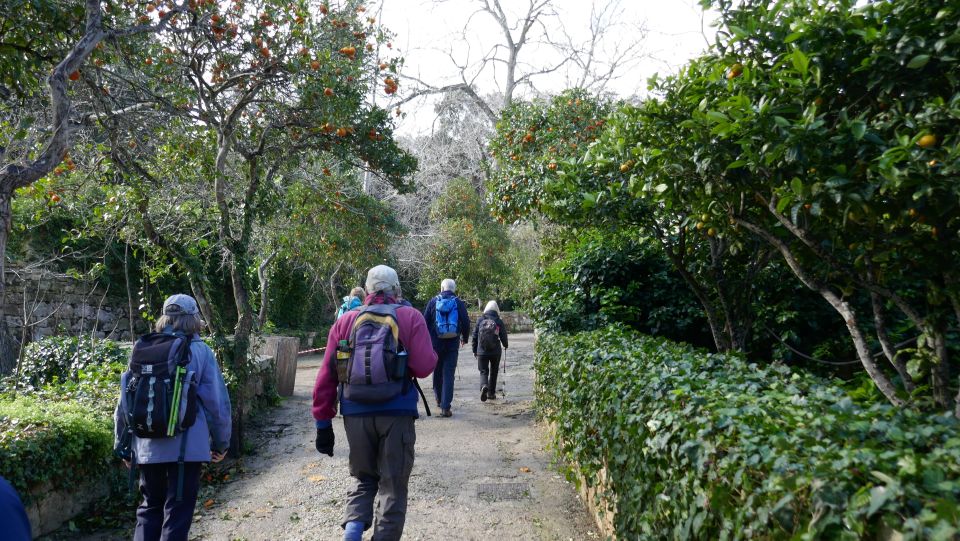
<point>353,531</point>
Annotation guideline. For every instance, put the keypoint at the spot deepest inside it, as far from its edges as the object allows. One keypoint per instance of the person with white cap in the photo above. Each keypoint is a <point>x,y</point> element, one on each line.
<point>373,356</point>
<point>488,335</point>
<point>170,466</point>
<point>449,324</point>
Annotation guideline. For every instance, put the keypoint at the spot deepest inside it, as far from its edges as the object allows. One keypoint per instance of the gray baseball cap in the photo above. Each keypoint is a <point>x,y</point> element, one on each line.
<point>180,305</point>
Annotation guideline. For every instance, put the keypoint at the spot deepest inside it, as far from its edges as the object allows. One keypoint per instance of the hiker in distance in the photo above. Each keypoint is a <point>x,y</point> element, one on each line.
<point>351,302</point>
<point>449,325</point>
<point>374,355</point>
<point>488,335</point>
<point>173,415</point>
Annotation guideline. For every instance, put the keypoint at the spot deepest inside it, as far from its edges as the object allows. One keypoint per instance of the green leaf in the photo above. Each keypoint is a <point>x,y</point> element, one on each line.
<point>858,128</point>
<point>797,186</point>
<point>717,116</point>
<point>918,61</point>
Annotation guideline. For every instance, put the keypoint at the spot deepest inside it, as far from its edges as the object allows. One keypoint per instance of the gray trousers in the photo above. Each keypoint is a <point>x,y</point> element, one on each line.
<point>381,459</point>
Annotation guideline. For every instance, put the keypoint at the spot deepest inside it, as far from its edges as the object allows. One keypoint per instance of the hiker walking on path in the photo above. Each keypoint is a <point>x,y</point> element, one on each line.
<point>449,324</point>
<point>373,354</point>
<point>488,335</point>
<point>351,302</point>
<point>173,401</point>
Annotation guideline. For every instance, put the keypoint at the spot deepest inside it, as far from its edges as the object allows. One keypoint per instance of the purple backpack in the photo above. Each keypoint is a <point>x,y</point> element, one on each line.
<point>375,370</point>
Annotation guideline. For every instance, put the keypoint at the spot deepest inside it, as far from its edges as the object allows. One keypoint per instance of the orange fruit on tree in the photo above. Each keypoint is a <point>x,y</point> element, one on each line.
<point>736,70</point>
<point>315,65</point>
<point>341,132</point>
<point>327,91</point>
<point>74,76</point>
<point>927,141</point>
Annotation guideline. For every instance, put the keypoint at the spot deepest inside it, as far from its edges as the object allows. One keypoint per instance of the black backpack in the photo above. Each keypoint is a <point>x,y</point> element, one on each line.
<point>488,335</point>
<point>160,403</point>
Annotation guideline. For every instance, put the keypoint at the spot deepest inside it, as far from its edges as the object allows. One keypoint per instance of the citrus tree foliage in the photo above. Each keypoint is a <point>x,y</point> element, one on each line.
<point>330,231</point>
<point>238,98</point>
<point>532,139</point>
<point>469,246</point>
<point>827,133</point>
<point>540,148</point>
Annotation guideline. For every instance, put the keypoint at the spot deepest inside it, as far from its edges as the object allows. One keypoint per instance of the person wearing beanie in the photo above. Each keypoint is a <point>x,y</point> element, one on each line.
<point>380,434</point>
<point>488,335</point>
<point>449,325</point>
<point>170,467</point>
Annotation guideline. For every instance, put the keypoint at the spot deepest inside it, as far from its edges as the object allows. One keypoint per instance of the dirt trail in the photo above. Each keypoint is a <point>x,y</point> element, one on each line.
<point>470,480</point>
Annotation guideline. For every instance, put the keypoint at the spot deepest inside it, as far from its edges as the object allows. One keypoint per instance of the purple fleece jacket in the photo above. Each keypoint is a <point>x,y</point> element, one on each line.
<point>214,423</point>
<point>421,360</point>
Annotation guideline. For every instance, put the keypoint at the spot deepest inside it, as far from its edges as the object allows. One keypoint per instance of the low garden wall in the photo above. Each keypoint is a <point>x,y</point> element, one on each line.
<point>516,322</point>
<point>676,443</point>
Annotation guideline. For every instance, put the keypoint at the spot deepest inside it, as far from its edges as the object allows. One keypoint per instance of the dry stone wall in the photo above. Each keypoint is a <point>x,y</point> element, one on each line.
<point>58,304</point>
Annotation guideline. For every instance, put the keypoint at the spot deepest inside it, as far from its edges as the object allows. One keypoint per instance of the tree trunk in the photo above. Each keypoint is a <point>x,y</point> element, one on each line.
<point>940,372</point>
<point>9,346</point>
<point>842,307</point>
<point>889,351</point>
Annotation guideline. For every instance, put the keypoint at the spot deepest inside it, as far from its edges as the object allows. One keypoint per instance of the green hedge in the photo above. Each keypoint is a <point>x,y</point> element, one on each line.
<point>704,446</point>
<point>57,425</point>
<point>60,442</point>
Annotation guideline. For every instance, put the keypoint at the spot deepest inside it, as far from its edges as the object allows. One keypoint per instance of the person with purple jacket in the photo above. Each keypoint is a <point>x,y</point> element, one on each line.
<point>162,515</point>
<point>381,435</point>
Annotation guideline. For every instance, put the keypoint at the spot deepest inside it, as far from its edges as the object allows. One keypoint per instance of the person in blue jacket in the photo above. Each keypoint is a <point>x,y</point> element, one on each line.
<point>446,341</point>
<point>161,515</point>
<point>13,517</point>
<point>352,301</point>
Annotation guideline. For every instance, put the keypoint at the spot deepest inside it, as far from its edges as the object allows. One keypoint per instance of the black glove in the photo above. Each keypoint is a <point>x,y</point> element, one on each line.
<point>325,440</point>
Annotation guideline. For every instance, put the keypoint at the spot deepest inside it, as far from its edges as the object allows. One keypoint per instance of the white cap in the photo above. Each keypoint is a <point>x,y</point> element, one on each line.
<point>382,278</point>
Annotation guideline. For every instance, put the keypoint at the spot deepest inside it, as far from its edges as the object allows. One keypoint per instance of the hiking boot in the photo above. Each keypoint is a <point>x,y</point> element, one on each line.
<point>491,395</point>
<point>447,413</point>
<point>483,394</point>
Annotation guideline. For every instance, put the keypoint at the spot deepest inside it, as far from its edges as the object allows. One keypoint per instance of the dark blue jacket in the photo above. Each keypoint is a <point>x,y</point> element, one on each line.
<point>463,324</point>
<point>13,517</point>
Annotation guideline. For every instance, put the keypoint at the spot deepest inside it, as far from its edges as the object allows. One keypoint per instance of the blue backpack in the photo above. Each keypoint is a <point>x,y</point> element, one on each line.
<point>447,317</point>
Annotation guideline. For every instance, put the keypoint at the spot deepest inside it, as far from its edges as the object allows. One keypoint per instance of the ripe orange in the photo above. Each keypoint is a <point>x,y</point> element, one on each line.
<point>735,71</point>
<point>74,76</point>
<point>315,65</point>
<point>927,141</point>
<point>327,91</point>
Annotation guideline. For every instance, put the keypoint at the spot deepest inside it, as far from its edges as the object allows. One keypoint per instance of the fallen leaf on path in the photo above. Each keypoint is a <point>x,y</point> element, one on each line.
<point>525,469</point>
<point>310,466</point>
<point>317,478</point>
<point>208,504</point>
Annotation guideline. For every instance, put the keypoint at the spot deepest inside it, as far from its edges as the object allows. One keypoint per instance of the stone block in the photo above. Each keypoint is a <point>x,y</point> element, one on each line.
<point>50,508</point>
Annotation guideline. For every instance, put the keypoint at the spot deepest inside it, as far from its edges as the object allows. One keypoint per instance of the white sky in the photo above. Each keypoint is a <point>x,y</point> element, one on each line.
<point>429,32</point>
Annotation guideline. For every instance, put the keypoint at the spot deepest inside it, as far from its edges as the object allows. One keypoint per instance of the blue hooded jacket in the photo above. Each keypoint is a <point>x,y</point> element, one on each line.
<point>211,430</point>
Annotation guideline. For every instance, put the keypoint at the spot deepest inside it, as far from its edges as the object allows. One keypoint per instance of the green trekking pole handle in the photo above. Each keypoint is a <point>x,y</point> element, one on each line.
<point>177,393</point>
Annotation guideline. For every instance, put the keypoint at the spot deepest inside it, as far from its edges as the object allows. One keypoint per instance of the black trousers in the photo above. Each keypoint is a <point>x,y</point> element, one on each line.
<point>160,517</point>
<point>489,366</point>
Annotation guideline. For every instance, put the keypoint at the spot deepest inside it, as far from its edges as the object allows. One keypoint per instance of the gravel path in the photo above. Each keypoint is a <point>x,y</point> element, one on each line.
<point>482,474</point>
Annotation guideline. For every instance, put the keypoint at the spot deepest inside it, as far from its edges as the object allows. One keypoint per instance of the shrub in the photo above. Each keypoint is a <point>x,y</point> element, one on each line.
<point>57,442</point>
<point>606,277</point>
<point>708,446</point>
<point>72,368</point>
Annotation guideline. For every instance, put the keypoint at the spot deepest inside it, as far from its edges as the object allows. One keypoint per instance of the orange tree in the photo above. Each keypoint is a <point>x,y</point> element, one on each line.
<point>45,46</point>
<point>208,126</point>
<point>469,246</point>
<point>564,160</point>
<point>842,119</point>
<point>828,133</point>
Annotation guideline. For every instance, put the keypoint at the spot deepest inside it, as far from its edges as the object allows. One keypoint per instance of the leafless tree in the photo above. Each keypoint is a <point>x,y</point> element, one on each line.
<point>536,42</point>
